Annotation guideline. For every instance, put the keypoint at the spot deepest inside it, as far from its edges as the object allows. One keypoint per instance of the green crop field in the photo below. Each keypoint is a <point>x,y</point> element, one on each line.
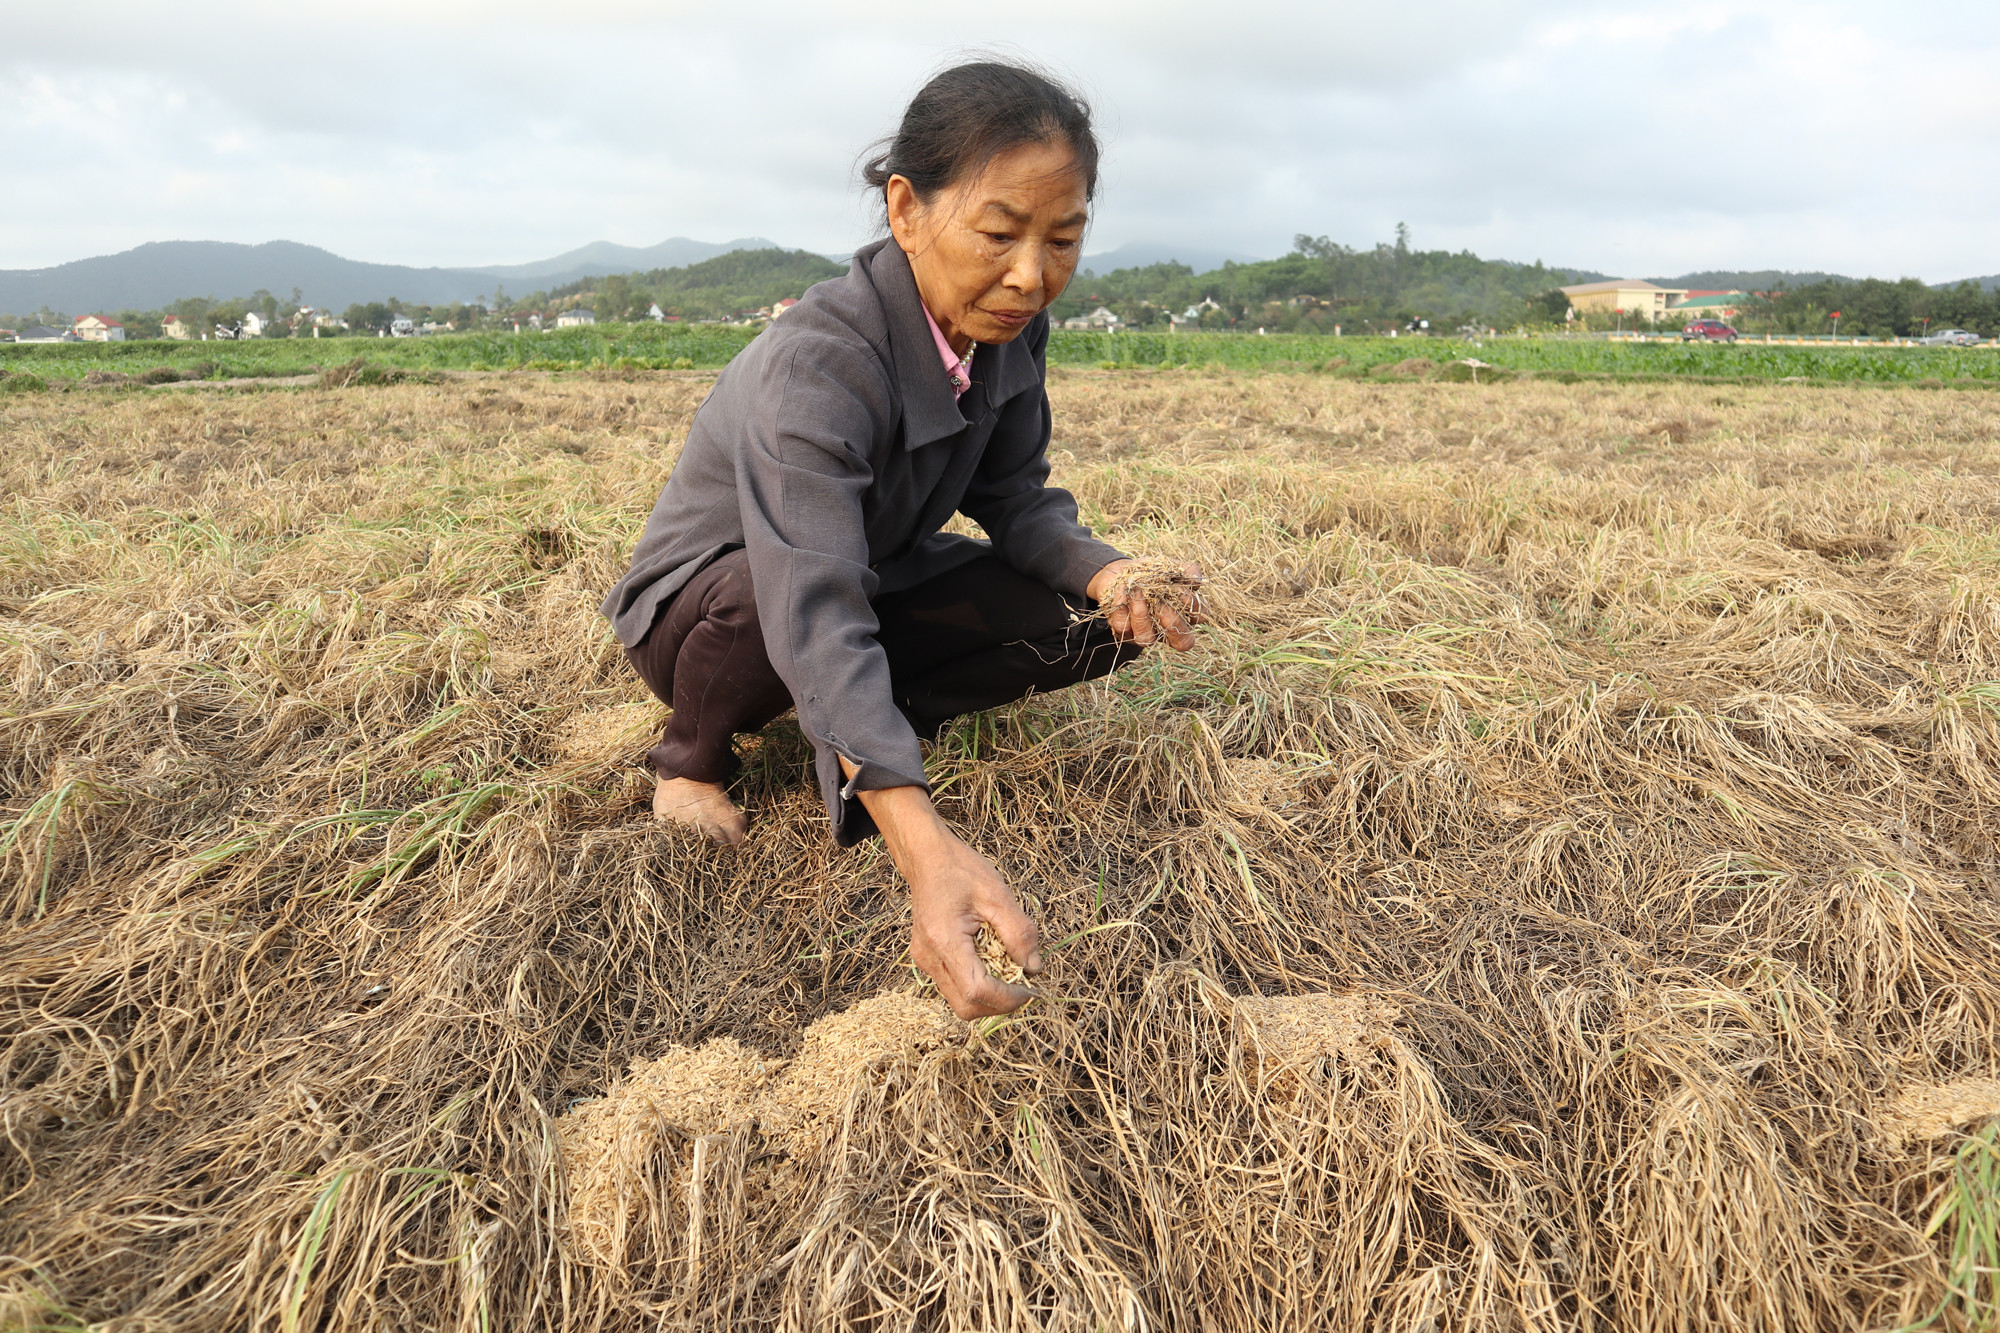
<point>1553,357</point>
<point>707,346</point>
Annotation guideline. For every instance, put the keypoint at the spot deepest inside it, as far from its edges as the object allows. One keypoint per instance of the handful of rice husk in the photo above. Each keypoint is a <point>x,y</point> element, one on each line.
<point>999,963</point>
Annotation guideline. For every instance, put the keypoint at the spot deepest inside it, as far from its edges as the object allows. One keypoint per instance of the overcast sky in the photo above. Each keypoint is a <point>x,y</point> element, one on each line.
<point>1858,138</point>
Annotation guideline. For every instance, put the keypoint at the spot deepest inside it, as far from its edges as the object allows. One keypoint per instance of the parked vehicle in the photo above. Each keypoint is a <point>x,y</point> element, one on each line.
<point>1951,338</point>
<point>1708,330</point>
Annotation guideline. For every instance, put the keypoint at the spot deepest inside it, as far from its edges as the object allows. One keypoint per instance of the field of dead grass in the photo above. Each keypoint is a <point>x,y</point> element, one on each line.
<point>1561,896</point>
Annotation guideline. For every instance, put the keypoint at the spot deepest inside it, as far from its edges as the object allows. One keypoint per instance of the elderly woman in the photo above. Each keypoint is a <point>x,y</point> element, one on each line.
<point>794,558</point>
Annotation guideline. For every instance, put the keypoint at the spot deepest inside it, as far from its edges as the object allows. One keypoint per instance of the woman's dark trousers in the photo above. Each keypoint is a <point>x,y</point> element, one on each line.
<point>977,637</point>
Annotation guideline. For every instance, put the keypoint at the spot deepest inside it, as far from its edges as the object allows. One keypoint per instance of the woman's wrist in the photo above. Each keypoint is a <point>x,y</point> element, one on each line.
<point>909,823</point>
<point>904,815</point>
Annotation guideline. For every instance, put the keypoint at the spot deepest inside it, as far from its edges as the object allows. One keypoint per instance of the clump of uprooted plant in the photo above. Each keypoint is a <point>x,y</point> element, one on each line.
<point>1557,893</point>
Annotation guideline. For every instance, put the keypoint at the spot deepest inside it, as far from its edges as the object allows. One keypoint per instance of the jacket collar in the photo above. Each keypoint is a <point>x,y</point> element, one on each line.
<point>930,412</point>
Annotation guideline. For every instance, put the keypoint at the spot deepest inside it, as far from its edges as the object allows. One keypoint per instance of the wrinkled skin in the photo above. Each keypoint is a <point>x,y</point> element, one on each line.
<point>992,253</point>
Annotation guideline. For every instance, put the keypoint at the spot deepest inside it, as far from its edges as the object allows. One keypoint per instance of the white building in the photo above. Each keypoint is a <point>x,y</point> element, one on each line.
<point>569,318</point>
<point>1100,318</point>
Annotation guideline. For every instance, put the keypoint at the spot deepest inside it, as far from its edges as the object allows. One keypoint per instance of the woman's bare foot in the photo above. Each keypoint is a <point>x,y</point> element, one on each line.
<point>701,806</point>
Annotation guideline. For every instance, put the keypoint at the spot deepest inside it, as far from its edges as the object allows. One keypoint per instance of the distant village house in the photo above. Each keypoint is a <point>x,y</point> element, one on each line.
<point>570,318</point>
<point>1191,317</point>
<point>98,329</point>
<point>1101,318</point>
<point>173,326</point>
<point>42,333</point>
<point>783,305</point>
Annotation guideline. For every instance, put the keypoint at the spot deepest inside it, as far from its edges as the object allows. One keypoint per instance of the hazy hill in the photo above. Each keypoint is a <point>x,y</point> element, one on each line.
<point>149,276</point>
<point>1766,280</point>
<point>1748,280</point>
<point>712,289</point>
<point>1142,254</point>
<point>602,257</point>
<point>1323,283</point>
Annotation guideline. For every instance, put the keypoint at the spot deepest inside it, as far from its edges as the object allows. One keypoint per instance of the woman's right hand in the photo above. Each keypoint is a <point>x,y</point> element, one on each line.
<point>953,891</point>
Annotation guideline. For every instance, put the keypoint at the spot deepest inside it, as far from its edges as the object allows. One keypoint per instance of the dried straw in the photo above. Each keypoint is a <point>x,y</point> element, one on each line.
<point>1531,910</point>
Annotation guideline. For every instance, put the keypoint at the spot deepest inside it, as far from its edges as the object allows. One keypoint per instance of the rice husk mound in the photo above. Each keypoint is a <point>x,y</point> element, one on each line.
<point>639,1152</point>
<point>843,1051</point>
<point>608,1145</point>
<point>606,734</point>
<point>1931,1110</point>
<point>1302,1029</point>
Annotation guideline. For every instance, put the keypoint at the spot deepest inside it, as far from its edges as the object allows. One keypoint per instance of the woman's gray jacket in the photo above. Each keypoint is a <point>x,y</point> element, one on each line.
<point>832,449</point>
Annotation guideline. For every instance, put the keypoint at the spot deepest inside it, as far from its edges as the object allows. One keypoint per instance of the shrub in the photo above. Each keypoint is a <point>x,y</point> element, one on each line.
<point>359,373</point>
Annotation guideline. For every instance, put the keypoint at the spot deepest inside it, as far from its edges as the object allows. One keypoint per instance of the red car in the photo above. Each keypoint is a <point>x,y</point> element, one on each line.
<point>1709,331</point>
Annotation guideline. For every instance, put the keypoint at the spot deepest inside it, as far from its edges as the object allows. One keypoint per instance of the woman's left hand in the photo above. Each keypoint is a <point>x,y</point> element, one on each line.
<point>1133,619</point>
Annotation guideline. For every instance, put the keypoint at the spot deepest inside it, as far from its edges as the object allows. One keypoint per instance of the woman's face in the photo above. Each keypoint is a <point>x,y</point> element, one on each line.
<point>994,252</point>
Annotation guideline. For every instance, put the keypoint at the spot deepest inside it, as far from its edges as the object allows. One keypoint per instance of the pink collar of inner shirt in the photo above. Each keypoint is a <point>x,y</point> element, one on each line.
<point>957,369</point>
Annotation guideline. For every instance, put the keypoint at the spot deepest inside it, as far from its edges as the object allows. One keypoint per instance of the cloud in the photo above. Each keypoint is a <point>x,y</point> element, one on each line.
<point>1757,133</point>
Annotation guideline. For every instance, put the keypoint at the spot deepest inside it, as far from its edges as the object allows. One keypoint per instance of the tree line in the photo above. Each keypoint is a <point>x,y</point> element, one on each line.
<point>1318,287</point>
<point>1876,308</point>
<point>720,288</point>
<point>1322,284</point>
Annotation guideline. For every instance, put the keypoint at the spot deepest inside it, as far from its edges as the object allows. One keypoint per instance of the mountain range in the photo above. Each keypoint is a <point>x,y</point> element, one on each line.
<point>1769,279</point>
<point>1140,254</point>
<point>150,276</point>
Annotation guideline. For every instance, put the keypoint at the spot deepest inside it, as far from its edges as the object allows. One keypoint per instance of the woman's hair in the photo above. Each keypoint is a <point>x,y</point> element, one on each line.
<point>970,114</point>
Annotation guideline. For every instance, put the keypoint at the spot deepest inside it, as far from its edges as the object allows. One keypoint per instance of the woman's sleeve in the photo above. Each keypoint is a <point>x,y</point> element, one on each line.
<point>1033,525</point>
<point>801,475</point>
